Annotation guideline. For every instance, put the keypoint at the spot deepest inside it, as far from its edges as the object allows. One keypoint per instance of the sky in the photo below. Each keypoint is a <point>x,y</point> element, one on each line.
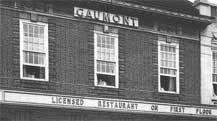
<point>212,1</point>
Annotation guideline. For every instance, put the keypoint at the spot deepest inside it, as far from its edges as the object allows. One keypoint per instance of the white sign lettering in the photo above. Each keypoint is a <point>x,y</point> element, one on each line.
<point>106,17</point>
<point>104,104</point>
<point>117,105</point>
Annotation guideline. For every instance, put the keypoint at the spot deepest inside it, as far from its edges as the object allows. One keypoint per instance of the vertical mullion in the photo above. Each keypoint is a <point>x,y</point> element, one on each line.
<point>27,57</point>
<point>33,37</point>
<point>28,48</point>
<point>106,49</point>
<point>213,66</point>
<point>100,40</point>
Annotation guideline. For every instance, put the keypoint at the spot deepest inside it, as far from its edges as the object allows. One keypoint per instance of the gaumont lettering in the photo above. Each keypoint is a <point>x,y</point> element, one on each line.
<point>203,111</point>
<point>117,105</point>
<point>67,101</point>
<point>106,17</point>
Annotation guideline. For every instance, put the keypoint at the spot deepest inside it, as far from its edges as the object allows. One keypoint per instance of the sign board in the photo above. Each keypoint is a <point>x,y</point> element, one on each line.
<point>106,17</point>
<point>89,103</point>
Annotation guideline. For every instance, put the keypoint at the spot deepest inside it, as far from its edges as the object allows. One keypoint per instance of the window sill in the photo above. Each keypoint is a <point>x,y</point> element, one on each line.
<point>33,79</point>
<point>105,86</point>
<point>168,92</point>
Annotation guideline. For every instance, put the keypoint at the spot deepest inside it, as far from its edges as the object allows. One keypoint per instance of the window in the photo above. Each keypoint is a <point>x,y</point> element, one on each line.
<point>214,74</point>
<point>33,50</point>
<point>106,59</point>
<point>168,67</point>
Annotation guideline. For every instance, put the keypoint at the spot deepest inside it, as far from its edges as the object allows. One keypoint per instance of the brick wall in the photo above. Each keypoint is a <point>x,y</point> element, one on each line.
<point>71,63</point>
<point>9,47</point>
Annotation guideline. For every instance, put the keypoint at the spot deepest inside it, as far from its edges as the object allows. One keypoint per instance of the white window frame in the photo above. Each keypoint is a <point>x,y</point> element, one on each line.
<point>214,95</point>
<point>45,50</point>
<point>177,67</point>
<point>116,60</point>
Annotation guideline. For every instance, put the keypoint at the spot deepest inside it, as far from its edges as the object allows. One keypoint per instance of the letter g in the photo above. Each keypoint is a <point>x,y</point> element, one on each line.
<point>79,12</point>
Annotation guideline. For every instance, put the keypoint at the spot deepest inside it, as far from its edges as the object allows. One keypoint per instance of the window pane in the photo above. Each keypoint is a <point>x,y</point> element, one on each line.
<point>214,77</point>
<point>98,54</point>
<point>33,72</point>
<point>98,66</point>
<point>103,41</point>
<point>107,42</point>
<point>35,44</point>
<point>42,59</point>
<point>36,33</point>
<point>25,45</point>
<point>161,47</point>
<point>107,54</point>
<point>215,62</point>
<point>41,47</point>
<point>41,32</point>
<point>25,29</point>
<point>30,30</point>
<point>112,43</point>
<point>31,58</point>
<point>174,50</point>
<point>34,58</point>
<point>168,83</point>
<point>33,50</point>
<point>174,57</point>
<point>98,41</point>
<point>168,68</point>
<point>105,59</point>
<point>215,89</point>
<point>174,64</point>
<point>104,45</point>
<point>168,71</point>
<point>106,80</point>
<point>103,67</point>
<point>30,43</point>
<point>26,57</point>
<point>103,55</point>
<point>107,68</point>
<point>112,67</point>
<point>168,56</point>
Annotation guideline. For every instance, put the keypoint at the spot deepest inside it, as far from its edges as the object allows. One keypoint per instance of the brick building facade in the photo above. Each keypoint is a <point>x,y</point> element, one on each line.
<point>101,60</point>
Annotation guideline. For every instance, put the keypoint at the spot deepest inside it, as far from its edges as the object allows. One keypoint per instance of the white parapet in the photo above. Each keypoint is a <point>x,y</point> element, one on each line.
<point>203,6</point>
<point>206,70</point>
<point>206,64</point>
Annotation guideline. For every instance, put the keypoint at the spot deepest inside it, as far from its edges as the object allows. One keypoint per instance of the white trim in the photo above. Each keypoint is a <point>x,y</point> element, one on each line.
<point>1,96</point>
<point>41,52</point>
<point>213,93</point>
<point>39,65</point>
<point>92,103</point>
<point>177,67</point>
<point>45,50</point>
<point>116,60</point>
